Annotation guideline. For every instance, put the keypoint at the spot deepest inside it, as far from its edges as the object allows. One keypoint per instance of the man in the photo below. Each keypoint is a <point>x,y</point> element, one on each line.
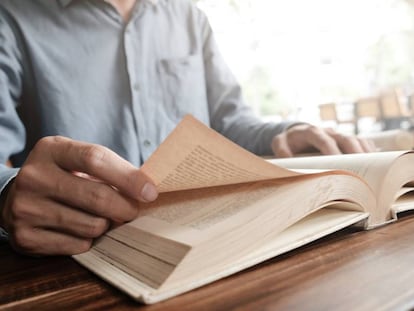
<point>88,89</point>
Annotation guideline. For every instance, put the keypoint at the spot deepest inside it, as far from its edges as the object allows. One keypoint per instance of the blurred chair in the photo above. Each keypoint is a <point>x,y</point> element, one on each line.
<point>394,112</point>
<point>367,108</point>
<point>330,114</point>
<point>327,112</point>
<point>410,105</point>
<point>392,106</point>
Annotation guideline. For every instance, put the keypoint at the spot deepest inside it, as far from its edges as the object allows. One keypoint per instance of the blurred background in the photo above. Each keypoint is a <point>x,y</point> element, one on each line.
<point>343,64</point>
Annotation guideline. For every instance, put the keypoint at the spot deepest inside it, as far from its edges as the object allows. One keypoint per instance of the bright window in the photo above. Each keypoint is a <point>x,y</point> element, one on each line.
<point>290,56</point>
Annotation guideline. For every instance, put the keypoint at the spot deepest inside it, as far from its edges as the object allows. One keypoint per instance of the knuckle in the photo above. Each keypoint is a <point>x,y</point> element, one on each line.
<point>22,239</point>
<point>99,198</point>
<point>47,141</point>
<point>93,156</point>
<point>348,140</point>
<point>44,142</point>
<point>130,212</point>
<point>60,218</point>
<point>83,246</point>
<point>320,140</point>
<point>363,140</point>
<point>20,181</point>
<point>26,178</point>
<point>314,130</point>
<point>60,188</point>
<point>276,141</point>
<point>20,210</point>
<point>97,227</point>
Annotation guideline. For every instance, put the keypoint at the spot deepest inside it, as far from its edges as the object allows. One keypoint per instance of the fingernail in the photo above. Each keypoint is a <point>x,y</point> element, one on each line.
<point>149,192</point>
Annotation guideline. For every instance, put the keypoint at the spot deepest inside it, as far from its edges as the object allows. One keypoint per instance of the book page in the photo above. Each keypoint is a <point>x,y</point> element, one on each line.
<point>311,228</point>
<point>404,200</point>
<point>187,216</point>
<point>314,226</point>
<point>385,172</point>
<point>190,217</point>
<point>195,156</point>
<point>202,208</point>
<point>261,222</point>
<point>372,167</point>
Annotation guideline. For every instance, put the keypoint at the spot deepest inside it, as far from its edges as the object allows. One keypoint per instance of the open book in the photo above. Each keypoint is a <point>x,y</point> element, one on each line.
<point>391,140</point>
<point>223,209</point>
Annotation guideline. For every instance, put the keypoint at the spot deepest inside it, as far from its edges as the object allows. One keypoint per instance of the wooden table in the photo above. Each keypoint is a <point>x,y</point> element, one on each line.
<point>349,270</point>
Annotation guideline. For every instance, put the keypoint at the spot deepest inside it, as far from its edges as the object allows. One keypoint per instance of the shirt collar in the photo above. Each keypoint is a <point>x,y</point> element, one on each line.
<point>65,3</point>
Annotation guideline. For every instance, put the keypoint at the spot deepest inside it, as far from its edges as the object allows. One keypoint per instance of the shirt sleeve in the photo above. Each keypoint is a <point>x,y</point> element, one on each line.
<point>12,133</point>
<point>229,113</point>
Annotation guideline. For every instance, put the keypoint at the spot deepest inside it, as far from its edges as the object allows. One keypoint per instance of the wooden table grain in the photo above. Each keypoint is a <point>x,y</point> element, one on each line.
<point>350,270</point>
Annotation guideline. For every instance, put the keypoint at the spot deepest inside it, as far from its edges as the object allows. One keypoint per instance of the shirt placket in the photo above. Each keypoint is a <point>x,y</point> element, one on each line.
<point>132,53</point>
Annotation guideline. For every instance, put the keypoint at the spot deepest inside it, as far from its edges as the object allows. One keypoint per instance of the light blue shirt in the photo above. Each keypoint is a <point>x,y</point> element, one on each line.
<point>74,68</point>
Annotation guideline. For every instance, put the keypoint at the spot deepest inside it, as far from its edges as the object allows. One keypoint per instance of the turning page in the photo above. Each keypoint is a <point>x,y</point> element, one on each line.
<point>194,156</point>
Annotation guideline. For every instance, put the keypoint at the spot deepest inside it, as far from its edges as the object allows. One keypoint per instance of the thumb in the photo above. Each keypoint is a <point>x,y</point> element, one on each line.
<point>147,191</point>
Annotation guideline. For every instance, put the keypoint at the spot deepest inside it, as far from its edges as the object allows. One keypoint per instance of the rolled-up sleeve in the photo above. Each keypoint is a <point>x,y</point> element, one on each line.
<point>229,114</point>
<point>12,133</point>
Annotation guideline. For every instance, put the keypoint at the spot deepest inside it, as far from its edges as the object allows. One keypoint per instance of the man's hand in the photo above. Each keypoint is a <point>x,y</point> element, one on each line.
<point>305,138</point>
<point>53,207</point>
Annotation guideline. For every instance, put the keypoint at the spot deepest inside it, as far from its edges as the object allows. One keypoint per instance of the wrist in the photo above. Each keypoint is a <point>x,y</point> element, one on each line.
<point>296,124</point>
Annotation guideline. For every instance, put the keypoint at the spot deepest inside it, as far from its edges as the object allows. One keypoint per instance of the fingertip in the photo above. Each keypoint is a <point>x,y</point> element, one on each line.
<point>80,247</point>
<point>149,192</point>
<point>139,186</point>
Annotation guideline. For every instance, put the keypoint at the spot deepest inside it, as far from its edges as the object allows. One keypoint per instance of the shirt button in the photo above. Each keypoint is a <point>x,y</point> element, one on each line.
<point>147,143</point>
<point>136,87</point>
